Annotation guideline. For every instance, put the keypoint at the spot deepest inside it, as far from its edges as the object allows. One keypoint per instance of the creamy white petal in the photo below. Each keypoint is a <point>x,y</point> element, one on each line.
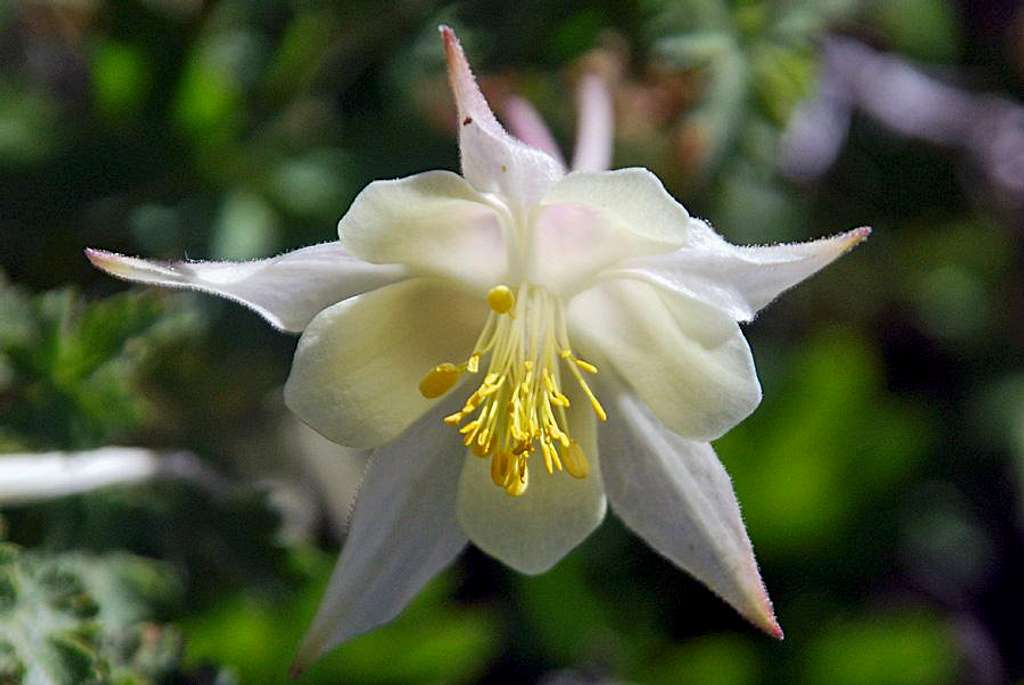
<point>287,290</point>
<point>688,361</point>
<point>632,199</point>
<point>404,531</point>
<point>738,279</point>
<point>592,221</point>
<point>526,124</point>
<point>492,160</point>
<point>596,127</point>
<point>532,532</point>
<point>434,223</point>
<point>675,494</point>
<point>356,373</point>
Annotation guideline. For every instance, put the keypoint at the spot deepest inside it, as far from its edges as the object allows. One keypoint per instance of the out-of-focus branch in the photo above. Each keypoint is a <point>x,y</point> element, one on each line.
<point>34,477</point>
<point>989,130</point>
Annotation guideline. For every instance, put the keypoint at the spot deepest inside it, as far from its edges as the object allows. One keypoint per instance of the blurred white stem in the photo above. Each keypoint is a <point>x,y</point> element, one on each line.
<point>34,477</point>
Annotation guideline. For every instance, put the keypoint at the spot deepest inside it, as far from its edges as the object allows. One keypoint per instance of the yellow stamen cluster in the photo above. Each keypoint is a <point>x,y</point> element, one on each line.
<point>519,407</point>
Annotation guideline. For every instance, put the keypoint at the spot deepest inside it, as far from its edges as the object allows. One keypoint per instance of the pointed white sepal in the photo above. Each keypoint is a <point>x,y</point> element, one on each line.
<point>675,494</point>
<point>492,160</point>
<point>738,279</point>
<point>287,290</point>
<point>404,532</point>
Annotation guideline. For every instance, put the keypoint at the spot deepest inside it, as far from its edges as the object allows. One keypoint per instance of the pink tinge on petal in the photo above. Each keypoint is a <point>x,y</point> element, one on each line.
<point>596,128</point>
<point>572,245</point>
<point>526,124</point>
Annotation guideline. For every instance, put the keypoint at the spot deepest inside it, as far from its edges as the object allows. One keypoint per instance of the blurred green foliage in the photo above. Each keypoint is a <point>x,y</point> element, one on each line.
<point>888,649</point>
<point>853,445</point>
<point>70,369</point>
<point>755,61</point>
<point>434,642</point>
<point>880,478</point>
<point>73,619</point>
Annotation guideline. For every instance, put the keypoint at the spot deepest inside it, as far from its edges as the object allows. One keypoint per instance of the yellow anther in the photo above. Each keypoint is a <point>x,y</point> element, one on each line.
<point>575,460</point>
<point>499,468</point>
<point>551,460</point>
<point>554,458</point>
<point>517,413</point>
<point>586,366</point>
<point>501,299</point>
<point>439,380</point>
<point>518,477</point>
<point>598,409</point>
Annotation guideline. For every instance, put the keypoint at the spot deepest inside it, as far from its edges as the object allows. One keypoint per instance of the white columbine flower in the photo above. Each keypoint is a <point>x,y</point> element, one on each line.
<point>456,329</point>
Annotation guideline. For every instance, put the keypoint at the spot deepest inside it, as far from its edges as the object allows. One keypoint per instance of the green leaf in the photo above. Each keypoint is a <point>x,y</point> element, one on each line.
<point>71,368</point>
<point>76,619</point>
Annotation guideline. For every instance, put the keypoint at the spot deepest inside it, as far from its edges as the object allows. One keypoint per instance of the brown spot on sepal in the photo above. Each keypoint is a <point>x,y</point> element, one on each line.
<point>504,168</point>
<point>467,121</point>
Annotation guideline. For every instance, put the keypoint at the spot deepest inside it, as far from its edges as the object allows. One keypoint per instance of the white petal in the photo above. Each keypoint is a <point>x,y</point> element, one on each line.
<point>526,124</point>
<point>404,531</point>
<point>532,532</point>
<point>434,223</point>
<point>492,160</point>
<point>287,290</point>
<point>592,220</point>
<point>355,377</point>
<point>596,127</point>
<point>739,280</point>
<point>632,199</point>
<point>688,361</point>
<point>675,494</point>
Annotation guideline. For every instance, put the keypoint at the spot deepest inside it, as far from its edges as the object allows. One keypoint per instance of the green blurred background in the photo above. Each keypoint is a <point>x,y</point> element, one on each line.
<point>880,479</point>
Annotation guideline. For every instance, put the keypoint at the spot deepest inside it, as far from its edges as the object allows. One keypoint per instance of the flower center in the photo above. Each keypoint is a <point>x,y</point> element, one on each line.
<point>519,407</point>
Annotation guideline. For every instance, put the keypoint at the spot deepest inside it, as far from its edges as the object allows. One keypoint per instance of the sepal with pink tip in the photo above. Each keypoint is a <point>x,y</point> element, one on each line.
<point>492,160</point>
